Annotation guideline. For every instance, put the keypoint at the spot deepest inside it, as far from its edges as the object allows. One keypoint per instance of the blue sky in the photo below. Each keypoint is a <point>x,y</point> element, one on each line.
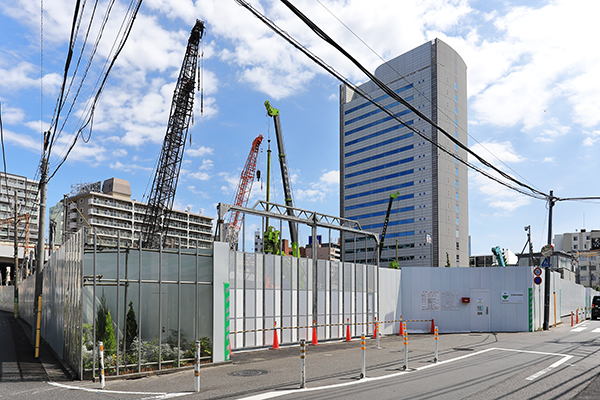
<point>534,99</point>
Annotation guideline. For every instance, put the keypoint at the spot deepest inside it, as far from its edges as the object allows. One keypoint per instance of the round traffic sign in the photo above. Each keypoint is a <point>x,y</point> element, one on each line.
<point>537,271</point>
<point>537,280</point>
<point>547,250</point>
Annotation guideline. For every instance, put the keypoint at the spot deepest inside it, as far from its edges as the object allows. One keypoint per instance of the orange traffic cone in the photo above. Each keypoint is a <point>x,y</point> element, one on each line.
<point>275,339</point>
<point>432,326</point>
<point>314,335</point>
<point>375,329</point>
<point>348,338</point>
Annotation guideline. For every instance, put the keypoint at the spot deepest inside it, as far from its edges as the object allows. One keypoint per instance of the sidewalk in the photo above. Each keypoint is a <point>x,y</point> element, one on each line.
<point>17,361</point>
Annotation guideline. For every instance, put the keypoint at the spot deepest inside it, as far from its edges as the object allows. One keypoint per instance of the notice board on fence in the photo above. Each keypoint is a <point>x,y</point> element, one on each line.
<point>430,300</point>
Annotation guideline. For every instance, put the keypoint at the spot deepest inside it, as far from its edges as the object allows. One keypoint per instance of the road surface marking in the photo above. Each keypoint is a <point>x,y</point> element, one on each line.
<point>597,330</point>
<point>542,372</point>
<point>98,390</point>
<point>581,328</point>
<point>271,395</point>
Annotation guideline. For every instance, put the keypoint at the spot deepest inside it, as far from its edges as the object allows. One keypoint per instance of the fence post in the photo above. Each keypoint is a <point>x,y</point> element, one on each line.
<point>101,356</point>
<point>197,367</point>
<point>303,363</point>
<point>363,373</point>
<point>435,358</point>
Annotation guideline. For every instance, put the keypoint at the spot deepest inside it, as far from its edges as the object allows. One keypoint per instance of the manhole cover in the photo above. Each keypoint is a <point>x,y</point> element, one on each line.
<point>249,372</point>
<point>463,349</point>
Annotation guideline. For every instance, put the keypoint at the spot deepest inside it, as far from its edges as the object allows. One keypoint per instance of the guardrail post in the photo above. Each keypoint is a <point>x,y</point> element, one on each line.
<point>435,358</point>
<point>363,373</point>
<point>303,363</point>
<point>405,366</point>
<point>101,356</point>
<point>197,367</point>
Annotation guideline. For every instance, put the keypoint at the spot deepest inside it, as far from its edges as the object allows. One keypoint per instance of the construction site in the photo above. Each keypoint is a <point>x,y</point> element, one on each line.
<point>140,285</point>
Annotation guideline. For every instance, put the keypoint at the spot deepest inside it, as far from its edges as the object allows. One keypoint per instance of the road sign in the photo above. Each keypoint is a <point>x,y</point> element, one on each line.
<point>547,250</point>
<point>537,271</point>
<point>546,263</point>
<point>537,280</point>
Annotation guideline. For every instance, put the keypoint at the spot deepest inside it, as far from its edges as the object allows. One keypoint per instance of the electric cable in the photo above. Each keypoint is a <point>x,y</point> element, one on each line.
<point>532,192</point>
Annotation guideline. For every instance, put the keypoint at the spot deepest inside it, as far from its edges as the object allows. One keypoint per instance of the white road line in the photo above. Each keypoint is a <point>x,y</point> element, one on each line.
<point>152,394</point>
<point>542,372</point>
<point>597,330</point>
<point>581,328</point>
<point>271,395</point>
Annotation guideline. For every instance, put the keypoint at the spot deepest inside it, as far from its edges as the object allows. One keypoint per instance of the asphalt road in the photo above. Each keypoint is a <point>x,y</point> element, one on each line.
<point>562,363</point>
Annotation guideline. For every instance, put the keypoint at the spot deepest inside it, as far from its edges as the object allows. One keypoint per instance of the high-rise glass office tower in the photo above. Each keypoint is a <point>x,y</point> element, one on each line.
<point>379,156</point>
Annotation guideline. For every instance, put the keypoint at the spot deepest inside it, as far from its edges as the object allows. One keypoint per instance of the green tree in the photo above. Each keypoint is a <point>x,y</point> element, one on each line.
<point>131,327</point>
<point>110,344</point>
<point>448,265</point>
<point>101,318</point>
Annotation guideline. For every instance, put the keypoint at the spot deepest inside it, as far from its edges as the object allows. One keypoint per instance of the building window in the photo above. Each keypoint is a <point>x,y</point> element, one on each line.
<point>455,86</point>
<point>457,246</point>
<point>457,258</point>
<point>592,267</point>
<point>456,98</point>
<point>575,238</point>
<point>574,247</point>
<point>457,208</point>
<point>456,184</point>
<point>583,268</point>
<point>456,171</point>
<point>583,279</point>
<point>456,110</point>
<point>457,235</point>
<point>457,221</point>
<point>456,196</point>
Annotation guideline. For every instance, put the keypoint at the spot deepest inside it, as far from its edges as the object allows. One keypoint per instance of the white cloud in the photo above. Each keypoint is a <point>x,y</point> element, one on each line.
<point>199,152</point>
<point>592,137</point>
<point>496,153</point>
<point>119,166</point>
<point>554,132</point>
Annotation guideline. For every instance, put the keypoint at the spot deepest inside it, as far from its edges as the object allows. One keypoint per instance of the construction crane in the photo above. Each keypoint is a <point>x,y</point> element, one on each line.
<point>393,197</point>
<point>287,190</point>
<point>497,252</point>
<point>162,194</point>
<point>242,193</point>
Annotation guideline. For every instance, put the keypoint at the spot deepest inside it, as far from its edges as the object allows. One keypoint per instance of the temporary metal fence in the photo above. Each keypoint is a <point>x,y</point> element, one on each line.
<point>148,307</point>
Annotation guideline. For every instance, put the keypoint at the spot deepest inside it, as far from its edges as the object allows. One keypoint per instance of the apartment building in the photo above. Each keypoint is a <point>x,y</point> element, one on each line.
<point>108,210</point>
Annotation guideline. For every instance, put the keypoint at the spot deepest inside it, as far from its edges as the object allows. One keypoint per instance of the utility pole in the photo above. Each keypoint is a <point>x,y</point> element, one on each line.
<point>551,201</point>
<point>41,229</point>
<point>16,222</point>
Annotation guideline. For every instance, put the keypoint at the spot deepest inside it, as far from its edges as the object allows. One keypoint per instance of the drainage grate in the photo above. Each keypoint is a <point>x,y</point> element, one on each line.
<point>249,372</point>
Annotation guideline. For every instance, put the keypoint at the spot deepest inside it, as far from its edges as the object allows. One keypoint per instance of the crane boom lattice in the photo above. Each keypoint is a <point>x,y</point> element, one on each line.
<point>243,193</point>
<point>162,194</point>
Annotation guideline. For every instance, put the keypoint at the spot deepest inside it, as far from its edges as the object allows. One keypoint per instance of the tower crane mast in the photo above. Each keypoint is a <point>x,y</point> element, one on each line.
<point>162,194</point>
<point>243,193</point>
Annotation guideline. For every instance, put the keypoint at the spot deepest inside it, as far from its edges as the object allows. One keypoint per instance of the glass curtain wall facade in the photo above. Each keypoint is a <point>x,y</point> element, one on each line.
<point>379,156</point>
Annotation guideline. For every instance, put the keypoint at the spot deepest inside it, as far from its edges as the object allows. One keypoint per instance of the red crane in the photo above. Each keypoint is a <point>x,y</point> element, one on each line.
<point>243,193</point>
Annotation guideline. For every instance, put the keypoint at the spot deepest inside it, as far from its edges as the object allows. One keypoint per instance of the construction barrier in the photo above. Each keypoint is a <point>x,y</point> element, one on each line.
<point>314,335</point>
<point>348,338</point>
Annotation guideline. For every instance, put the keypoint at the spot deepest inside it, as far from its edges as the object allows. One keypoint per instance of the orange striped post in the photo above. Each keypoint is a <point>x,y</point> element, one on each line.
<point>435,358</point>
<point>363,373</point>
<point>405,366</point>
<point>401,333</point>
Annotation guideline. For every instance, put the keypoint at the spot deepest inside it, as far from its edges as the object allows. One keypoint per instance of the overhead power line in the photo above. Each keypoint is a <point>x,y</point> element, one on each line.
<point>517,186</point>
